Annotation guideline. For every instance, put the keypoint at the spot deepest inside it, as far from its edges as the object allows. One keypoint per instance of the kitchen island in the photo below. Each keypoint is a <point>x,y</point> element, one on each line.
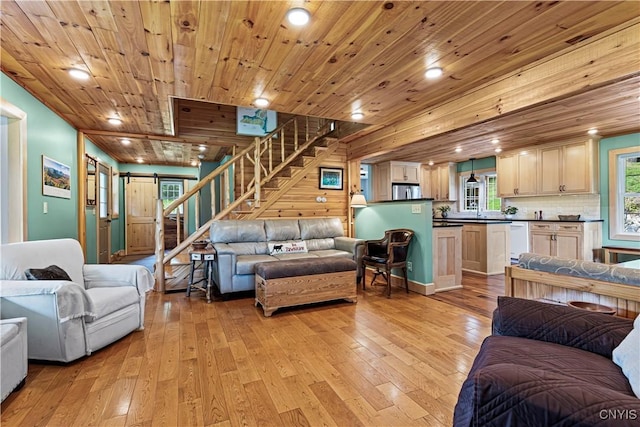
<point>447,256</point>
<point>486,244</point>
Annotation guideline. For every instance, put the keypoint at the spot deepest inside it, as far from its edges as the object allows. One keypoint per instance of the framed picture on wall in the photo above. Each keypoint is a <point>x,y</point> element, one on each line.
<point>56,178</point>
<point>255,121</point>
<point>331,178</point>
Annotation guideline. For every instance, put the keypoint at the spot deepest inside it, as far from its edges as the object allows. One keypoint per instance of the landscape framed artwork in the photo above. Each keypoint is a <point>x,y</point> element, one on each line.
<point>331,178</point>
<point>255,121</point>
<point>56,178</point>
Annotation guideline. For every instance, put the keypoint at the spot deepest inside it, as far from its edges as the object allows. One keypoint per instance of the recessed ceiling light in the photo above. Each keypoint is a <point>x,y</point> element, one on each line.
<point>592,131</point>
<point>458,149</point>
<point>115,121</point>
<point>495,140</point>
<point>497,150</point>
<point>202,148</point>
<point>125,141</point>
<point>194,163</point>
<point>139,160</point>
<point>79,74</point>
<point>298,16</point>
<point>433,72</point>
<point>201,156</point>
<point>357,115</point>
<point>524,153</point>
<point>261,102</point>
<point>430,162</point>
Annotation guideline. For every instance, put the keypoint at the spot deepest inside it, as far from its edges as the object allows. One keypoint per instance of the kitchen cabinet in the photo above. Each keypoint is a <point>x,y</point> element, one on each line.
<point>440,182</point>
<point>447,257</point>
<point>486,247</point>
<point>575,240</point>
<point>387,173</point>
<point>568,168</point>
<point>408,173</point>
<point>381,181</point>
<point>517,173</point>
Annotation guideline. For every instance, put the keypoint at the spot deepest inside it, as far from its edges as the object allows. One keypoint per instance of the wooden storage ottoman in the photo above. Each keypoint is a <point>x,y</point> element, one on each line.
<point>304,281</point>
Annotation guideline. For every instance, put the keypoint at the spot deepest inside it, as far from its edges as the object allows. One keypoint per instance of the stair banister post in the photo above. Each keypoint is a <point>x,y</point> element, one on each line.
<point>256,174</point>
<point>295,135</point>
<point>159,246</point>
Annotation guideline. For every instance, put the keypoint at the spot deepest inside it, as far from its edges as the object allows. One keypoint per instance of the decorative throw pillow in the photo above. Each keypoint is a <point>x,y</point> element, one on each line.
<point>287,248</point>
<point>627,356</point>
<point>53,272</point>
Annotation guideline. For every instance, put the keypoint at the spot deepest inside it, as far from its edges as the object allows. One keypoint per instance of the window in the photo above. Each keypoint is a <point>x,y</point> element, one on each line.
<point>624,191</point>
<point>170,191</point>
<point>481,196</point>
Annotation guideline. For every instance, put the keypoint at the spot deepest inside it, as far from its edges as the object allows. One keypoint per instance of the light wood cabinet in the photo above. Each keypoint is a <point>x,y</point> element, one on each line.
<point>565,239</point>
<point>387,173</point>
<point>439,182</point>
<point>447,258</point>
<point>486,248</point>
<point>381,181</point>
<point>568,168</point>
<point>517,173</point>
<point>402,172</point>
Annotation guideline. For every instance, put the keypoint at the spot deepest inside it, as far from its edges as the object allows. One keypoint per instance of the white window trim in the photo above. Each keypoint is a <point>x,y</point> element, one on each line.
<point>481,177</point>
<point>616,190</point>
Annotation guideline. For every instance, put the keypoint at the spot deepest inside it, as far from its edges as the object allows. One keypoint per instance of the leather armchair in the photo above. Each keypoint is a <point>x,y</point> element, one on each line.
<point>70,319</point>
<point>387,253</point>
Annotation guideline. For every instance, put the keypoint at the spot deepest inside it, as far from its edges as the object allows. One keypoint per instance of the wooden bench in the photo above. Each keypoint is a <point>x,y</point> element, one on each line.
<point>559,288</point>
<point>611,253</point>
<point>304,281</point>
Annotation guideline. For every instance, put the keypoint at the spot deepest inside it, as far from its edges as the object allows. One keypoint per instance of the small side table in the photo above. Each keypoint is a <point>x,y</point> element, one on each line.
<point>201,258</point>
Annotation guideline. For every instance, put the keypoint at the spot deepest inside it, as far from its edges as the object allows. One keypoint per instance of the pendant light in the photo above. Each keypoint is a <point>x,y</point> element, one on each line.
<point>472,179</point>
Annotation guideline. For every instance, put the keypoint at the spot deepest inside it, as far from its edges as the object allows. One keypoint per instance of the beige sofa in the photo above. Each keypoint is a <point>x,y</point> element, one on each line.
<point>241,244</point>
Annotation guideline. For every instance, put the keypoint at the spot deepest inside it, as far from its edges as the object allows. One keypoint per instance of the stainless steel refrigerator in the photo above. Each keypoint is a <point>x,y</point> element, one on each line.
<point>405,191</point>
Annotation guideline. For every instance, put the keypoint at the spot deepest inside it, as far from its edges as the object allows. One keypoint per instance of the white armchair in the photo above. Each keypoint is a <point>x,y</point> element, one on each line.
<point>68,320</point>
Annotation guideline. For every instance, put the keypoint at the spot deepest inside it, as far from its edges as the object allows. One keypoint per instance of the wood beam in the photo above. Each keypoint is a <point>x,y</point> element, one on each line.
<point>593,64</point>
<point>82,191</point>
<point>153,137</point>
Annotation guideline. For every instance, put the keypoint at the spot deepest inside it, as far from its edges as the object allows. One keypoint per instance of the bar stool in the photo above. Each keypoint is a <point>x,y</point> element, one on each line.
<point>201,259</point>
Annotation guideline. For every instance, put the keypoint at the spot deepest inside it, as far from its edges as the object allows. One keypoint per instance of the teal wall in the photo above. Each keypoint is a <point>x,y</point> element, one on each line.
<point>478,164</point>
<point>49,135</point>
<point>606,145</point>
<point>372,221</point>
<point>205,194</point>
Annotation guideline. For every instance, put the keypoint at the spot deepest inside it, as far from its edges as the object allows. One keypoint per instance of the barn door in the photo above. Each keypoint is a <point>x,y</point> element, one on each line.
<point>140,197</point>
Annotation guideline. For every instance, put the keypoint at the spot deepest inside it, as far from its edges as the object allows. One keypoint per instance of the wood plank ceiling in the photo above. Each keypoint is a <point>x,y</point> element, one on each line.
<point>174,70</point>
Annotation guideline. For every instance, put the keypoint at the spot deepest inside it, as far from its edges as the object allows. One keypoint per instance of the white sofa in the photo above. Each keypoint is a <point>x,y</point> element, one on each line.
<point>70,319</point>
<point>13,354</point>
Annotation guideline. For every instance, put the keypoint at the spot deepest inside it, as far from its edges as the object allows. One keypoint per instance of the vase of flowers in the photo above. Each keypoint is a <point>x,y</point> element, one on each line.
<point>509,212</point>
<point>444,209</point>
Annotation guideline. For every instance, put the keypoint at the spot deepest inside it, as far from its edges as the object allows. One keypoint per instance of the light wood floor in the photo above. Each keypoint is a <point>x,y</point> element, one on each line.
<point>380,362</point>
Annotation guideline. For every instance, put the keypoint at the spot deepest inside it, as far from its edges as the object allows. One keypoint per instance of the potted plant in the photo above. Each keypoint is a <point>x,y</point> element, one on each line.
<point>509,212</point>
<point>443,210</point>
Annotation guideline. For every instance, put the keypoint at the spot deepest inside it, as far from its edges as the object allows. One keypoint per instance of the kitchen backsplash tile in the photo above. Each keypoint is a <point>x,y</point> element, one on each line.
<point>587,205</point>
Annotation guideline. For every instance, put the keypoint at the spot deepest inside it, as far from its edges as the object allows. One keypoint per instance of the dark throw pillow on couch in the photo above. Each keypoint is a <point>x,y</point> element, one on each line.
<point>53,272</point>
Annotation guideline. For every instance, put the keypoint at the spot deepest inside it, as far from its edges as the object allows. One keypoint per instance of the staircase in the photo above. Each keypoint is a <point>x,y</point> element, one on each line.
<point>262,173</point>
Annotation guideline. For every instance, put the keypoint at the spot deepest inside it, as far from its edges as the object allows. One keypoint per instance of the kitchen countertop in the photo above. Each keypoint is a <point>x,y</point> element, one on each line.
<point>446,224</point>
<point>404,200</point>
<point>485,220</point>
<point>462,221</point>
